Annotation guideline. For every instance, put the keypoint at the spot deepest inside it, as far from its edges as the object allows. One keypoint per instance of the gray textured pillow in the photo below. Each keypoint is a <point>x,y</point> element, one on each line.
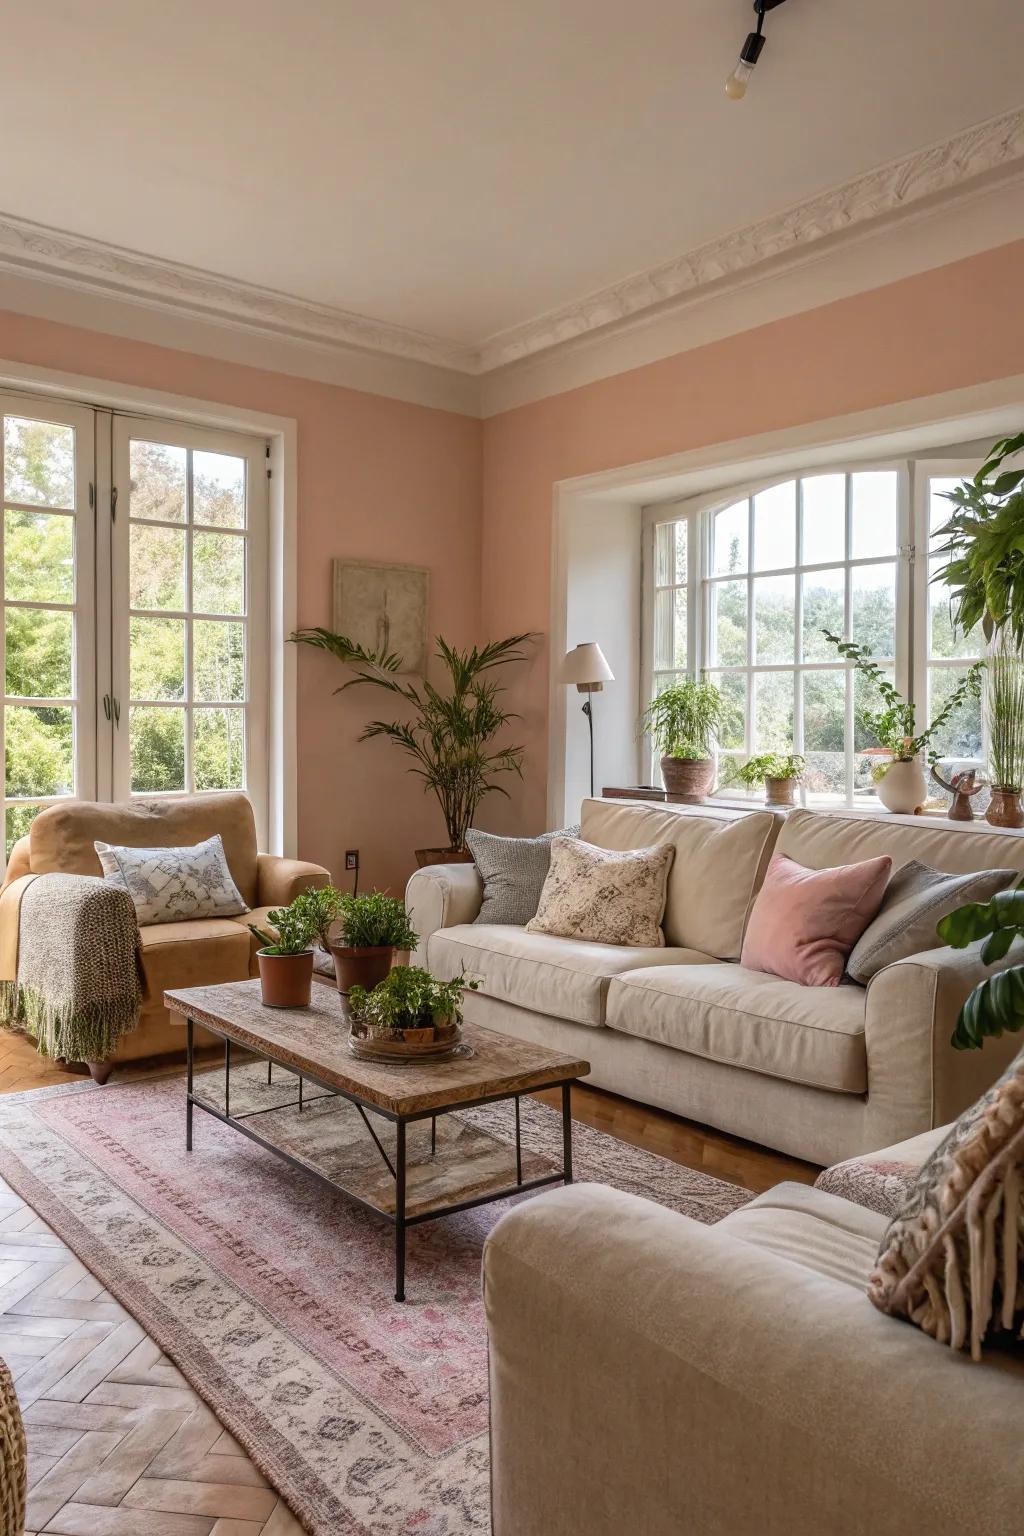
<point>916,899</point>
<point>513,870</point>
<point>171,885</point>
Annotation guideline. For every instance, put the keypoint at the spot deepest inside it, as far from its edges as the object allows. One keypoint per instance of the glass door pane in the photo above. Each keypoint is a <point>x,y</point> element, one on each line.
<point>46,471</point>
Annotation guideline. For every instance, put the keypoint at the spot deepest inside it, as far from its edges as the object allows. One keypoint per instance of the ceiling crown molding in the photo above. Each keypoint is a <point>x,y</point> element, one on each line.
<point>95,266</point>
<point>996,145</point>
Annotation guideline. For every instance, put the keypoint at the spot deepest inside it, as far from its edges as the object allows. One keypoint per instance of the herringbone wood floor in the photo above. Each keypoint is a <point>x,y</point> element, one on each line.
<point>119,1444</point>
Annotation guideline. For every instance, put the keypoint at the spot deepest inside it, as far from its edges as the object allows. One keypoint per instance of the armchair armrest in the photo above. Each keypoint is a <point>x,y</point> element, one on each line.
<point>279,881</point>
<point>651,1372</point>
<point>916,1080</point>
<point>20,861</point>
<point>441,896</point>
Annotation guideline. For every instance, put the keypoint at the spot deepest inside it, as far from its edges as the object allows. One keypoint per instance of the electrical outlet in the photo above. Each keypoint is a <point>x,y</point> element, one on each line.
<point>352,858</point>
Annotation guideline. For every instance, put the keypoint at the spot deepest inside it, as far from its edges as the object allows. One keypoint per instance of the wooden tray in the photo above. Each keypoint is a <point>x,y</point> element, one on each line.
<point>396,1051</point>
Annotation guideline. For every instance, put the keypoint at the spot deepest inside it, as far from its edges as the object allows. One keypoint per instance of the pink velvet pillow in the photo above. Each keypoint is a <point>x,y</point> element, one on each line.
<point>806,921</point>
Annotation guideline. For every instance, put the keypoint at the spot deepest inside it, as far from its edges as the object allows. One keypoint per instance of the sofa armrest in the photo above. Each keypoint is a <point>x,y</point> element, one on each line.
<point>279,881</point>
<point>20,861</point>
<point>440,896</point>
<point>916,1079</point>
<point>651,1373</point>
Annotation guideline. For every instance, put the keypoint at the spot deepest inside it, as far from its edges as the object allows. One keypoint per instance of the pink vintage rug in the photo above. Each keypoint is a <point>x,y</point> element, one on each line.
<point>275,1296</point>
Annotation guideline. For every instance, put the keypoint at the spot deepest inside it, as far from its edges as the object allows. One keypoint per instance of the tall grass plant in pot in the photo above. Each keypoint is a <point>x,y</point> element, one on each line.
<point>684,722</point>
<point>1004,712</point>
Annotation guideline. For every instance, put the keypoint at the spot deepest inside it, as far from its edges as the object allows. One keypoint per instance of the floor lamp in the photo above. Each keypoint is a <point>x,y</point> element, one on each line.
<point>586,666</point>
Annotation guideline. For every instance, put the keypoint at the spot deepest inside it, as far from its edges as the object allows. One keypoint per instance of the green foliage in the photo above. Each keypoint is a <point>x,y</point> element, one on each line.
<point>375,921</point>
<point>985,547</point>
<point>409,998</point>
<point>449,735</point>
<point>1005,709</point>
<point>771,765</point>
<point>320,908</point>
<point>685,718</point>
<point>894,726</point>
<point>294,930</point>
<point>997,1004</point>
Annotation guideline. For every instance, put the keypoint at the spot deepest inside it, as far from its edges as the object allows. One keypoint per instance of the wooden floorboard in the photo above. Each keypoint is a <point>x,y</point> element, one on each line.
<point>119,1443</point>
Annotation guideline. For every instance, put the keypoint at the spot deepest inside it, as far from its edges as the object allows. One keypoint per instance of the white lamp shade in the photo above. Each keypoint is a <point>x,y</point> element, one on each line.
<point>586,664</point>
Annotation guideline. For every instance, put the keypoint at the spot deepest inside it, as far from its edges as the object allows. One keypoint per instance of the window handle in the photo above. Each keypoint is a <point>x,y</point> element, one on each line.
<point>106,705</point>
<point>117,712</point>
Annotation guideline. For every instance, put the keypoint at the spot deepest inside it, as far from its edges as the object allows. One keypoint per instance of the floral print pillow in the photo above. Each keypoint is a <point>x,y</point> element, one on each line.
<point>604,897</point>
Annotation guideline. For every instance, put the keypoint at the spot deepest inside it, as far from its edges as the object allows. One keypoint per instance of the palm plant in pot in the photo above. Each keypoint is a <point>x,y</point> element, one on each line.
<point>899,778</point>
<point>779,772</point>
<point>285,957</point>
<point>449,735</point>
<point>683,722</point>
<point>375,928</point>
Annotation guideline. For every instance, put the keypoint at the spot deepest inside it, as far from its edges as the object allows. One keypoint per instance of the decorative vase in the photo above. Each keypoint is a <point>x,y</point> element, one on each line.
<point>365,967</point>
<point>286,980</point>
<point>903,787</point>
<point>428,856</point>
<point>1005,808</point>
<point>780,791</point>
<point>688,779</point>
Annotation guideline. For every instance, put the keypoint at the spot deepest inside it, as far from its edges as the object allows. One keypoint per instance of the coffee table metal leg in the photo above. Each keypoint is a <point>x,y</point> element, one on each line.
<point>227,1076</point>
<point>519,1146</point>
<point>567,1132</point>
<point>400,1212</point>
<point>188,1099</point>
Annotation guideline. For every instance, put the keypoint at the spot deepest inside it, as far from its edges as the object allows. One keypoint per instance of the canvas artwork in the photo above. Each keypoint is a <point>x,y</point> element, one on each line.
<point>383,607</point>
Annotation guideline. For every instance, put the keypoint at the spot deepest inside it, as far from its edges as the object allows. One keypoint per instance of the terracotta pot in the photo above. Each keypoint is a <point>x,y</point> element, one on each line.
<point>1005,809</point>
<point>688,779</point>
<point>361,967</point>
<point>427,856</point>
<point>780,791</point>
<point>286,980</point>
<point>903,787</point>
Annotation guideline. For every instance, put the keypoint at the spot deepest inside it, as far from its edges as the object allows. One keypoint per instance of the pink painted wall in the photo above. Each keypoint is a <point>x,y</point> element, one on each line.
<point>957,325</point>
<point>377,480</point>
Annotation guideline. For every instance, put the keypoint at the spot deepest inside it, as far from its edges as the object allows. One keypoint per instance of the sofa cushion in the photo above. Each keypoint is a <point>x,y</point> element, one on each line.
<point>915,901</point>
<point>821,839</point>
<point>604,897</point>
<point>810,1035</point>
<point>881,1180</point>
<point>813,1229</point>
<point>564,978</point>
<point>806,921</point>
<point>174,885</point>
<point>62,837</point>
<point>721,857</point>
<point>199,953</point>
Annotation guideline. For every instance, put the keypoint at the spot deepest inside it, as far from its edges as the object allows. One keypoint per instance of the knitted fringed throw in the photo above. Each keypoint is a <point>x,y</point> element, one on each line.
<point>78,988</point>
<point>952,1260</point>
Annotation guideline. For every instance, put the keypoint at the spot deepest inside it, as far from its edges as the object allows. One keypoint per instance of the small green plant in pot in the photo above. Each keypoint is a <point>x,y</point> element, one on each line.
<point>321,906</point>
<point>375,928</point>
<point>409,1005</point>
<point>684,722</point>
<point>285,957</point>
<point>779,772</point>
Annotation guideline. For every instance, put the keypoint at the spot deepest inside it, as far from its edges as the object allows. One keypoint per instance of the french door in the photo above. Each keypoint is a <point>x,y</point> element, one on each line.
<point>134,614</point>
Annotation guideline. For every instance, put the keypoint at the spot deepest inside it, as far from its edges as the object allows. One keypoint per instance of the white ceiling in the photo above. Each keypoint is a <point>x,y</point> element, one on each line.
<point>462,166</point>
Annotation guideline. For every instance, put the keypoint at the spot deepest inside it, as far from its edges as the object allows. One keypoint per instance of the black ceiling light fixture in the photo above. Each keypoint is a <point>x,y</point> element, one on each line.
<point>736,85</point>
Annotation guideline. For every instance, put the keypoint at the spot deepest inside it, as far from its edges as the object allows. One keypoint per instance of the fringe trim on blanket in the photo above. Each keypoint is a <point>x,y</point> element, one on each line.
<point>88,1033</point>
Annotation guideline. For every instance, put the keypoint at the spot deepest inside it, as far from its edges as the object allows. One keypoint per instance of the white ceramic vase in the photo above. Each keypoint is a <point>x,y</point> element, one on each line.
<point>903,787</point>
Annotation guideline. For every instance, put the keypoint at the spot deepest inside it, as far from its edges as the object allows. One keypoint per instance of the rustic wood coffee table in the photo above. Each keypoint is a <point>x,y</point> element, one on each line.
<point>312,1043</point>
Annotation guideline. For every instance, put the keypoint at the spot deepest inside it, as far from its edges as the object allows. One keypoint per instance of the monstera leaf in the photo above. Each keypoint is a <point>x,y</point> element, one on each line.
<point>997,1004</point>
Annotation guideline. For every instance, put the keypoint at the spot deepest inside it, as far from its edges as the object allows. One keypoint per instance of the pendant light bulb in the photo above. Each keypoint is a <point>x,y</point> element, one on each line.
<point>736,85</point>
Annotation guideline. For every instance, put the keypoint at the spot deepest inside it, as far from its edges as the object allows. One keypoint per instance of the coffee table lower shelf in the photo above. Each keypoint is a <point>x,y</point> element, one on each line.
<point>412,1200</point>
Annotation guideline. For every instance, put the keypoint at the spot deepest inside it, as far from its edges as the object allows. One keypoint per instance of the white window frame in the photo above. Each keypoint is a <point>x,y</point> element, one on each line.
<point>256,616</point>
<point>83,701</point>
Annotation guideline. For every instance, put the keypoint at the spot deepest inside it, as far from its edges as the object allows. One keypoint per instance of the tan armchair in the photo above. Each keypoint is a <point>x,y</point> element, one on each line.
<point>196,953</point>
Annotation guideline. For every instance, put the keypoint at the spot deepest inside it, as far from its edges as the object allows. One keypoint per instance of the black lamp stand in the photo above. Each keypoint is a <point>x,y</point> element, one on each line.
<point>588,709</point>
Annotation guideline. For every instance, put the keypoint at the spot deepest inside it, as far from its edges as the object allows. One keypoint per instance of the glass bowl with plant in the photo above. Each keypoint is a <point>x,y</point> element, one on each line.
<point>285,957</point>
<point>374,930</point>
<point>779,772</point>
<point>684,722</point>
<point>409,1007</point>
<point>899,778</point>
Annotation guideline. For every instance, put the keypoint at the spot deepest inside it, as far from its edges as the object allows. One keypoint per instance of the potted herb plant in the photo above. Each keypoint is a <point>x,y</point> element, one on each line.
<point>900,779</point>
<point>321,905</point>
<point>285,958</point>
<point>683,722</point>
<point>449,735</point>
<point>1004,708</point>
<point>779,772</point>
<point>374,929</point>
<point>409,1005</point>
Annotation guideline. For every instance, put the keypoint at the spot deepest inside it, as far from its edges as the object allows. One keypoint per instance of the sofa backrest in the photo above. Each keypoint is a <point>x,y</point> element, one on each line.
<point>822,839</point>
<point>720,859</point>
<point>61,838</point>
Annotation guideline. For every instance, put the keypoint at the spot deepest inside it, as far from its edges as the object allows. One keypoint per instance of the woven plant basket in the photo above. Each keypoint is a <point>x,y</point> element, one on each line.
<point>13,1458</point>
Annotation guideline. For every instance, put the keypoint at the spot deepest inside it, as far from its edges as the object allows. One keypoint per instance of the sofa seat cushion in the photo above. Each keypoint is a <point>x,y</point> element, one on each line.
<point>564,978</point>
<point>198,953</point>
<point>813,1229</point>
<point>810,1035</point>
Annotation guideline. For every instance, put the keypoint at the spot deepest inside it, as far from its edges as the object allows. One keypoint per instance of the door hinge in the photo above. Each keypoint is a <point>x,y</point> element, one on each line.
<point>908,551</point>
<point>268,462</point>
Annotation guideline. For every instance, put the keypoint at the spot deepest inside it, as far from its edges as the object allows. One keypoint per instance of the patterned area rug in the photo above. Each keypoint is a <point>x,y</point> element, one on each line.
<point>275,1296</point>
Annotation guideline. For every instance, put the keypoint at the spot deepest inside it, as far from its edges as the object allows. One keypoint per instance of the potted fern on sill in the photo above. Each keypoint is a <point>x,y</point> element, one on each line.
<point>683,722</point>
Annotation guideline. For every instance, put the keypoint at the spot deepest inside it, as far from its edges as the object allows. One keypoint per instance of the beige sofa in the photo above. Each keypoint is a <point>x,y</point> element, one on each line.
<point>651,1375</point>
<point>187,954</point>
<point>819,1073</point>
